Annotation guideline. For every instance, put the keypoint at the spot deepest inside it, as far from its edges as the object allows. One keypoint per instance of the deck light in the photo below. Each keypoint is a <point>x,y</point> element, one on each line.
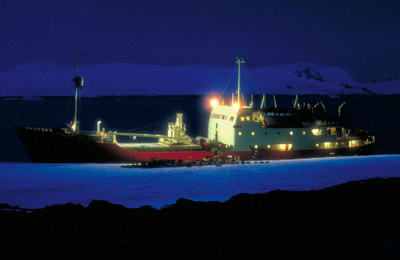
<point>316,131</point>
<point>236,107</point>
<point>98,127</point>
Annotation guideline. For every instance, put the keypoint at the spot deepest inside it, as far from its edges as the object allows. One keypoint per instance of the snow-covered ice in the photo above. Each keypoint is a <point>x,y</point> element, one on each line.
<point>52,79</point>
<point>37,185</point>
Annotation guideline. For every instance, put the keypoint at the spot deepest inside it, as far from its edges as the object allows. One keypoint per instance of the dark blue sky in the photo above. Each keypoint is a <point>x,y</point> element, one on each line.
<point>361,36</point>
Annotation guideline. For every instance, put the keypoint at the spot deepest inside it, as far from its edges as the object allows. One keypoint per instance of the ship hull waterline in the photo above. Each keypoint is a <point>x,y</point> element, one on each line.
<point>51,147</point>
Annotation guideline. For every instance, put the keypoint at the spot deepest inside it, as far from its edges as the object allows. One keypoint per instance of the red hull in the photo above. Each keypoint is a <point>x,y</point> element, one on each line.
<point>249,155</point>
<point>53,147</point>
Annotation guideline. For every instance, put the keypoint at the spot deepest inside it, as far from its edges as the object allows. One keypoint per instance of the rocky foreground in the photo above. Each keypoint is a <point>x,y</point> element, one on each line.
<point>351,220</point>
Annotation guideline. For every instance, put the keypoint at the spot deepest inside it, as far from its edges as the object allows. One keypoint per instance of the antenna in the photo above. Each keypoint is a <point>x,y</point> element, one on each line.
<point>76,64</point>
<point>296,101</point>
<point>262,102</point>
<point>239,61</point>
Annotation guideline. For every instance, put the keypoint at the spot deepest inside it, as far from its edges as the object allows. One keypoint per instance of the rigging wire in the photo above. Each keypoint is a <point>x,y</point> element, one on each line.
<point>234,71</point>
<point>66,110</point>
<point>81,112</point>
<point>252,83</point>
<point>150,126</point>
<point>257,86</point>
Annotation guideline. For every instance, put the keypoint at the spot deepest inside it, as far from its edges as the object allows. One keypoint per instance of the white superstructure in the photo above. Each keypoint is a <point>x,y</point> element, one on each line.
<point>241,127</point>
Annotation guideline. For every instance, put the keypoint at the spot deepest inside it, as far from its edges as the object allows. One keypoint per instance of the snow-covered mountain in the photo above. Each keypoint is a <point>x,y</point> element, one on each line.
<point>50,79</point>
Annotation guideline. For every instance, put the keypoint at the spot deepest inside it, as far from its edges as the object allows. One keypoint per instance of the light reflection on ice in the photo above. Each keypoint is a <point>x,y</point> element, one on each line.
<point>37,185</point>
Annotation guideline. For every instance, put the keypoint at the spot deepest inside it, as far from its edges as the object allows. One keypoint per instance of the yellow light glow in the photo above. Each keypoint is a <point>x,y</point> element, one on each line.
<point>236,107</point>
<point>315,131</point>
<point>240,133</point>
<point>353,143</point>
<point>256,146</point>
<point>291,132</point>
<point>329,145</point>
<point>214,102</point>
<point>252,133</point>
<point>268,146</point>
<point>304,132</point>
<point>316,145</point>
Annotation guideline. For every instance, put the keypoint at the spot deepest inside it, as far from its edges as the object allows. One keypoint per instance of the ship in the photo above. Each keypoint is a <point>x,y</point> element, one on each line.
<point>237,132</point>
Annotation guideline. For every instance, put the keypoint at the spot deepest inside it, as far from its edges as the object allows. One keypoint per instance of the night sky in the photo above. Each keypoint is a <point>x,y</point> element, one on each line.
<point>360,36</point>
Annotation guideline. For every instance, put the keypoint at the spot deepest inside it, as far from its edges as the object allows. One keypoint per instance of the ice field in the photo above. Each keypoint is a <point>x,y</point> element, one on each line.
<point>31,185</point>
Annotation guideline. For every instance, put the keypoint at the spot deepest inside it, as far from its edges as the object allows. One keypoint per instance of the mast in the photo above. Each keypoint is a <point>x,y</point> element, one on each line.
<point>239,61</point>
<point>78,85</point>
<point>76,92</point>
<point>76,63</point>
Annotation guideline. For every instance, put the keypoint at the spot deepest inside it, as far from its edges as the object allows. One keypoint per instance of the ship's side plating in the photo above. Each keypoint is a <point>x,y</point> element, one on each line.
<point>248,130</point>
<point>221,125</point>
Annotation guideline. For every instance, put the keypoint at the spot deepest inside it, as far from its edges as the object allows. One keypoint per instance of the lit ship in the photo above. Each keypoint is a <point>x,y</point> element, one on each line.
<point>236,132</point>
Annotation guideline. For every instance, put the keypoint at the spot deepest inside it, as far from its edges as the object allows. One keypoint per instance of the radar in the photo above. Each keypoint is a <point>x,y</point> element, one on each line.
<point>78,81</point>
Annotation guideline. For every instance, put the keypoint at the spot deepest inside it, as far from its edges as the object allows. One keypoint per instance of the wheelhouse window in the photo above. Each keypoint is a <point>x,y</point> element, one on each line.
<point>331,130</point>
<point>329,145</point>
<point>354,143</point>
<point>280,147</point>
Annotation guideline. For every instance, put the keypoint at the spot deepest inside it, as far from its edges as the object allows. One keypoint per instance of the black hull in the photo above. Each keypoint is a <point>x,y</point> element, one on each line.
<point>46,145</point>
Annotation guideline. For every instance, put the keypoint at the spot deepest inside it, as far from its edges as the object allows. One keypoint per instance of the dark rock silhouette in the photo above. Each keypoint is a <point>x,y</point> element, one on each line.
<point>347,220</point>
<point>309,74</point>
